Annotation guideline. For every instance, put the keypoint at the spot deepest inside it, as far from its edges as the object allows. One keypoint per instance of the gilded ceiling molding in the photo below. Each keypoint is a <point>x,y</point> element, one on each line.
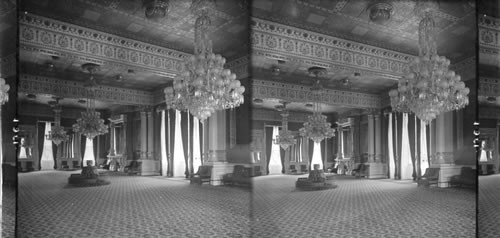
<point>315,47</point>
<point>264,89</point>
<point>261,114</point>
<point>46,34</point>
<point>71,89</point>
<point>489,87</point>
<point>8,66</point>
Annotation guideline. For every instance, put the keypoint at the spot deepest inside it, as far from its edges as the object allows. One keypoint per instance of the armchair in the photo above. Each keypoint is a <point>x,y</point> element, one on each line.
<point>203,175</point>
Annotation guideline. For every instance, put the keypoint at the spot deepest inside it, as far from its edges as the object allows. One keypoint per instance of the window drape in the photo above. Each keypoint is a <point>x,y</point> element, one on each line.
<point>316,156</point>
<point>41,140</point>
<point>406,166</point>
<point>163,145</point>
<point>179,164</point>
<point>424,160</point>
<point>275,166</point>
<point>47,160</point>
<point>196,144</point>
<point>391,148</point>
<point>311,151</point>
<point>269,145</point>
<point>412,141</point>
<point>89,152</point>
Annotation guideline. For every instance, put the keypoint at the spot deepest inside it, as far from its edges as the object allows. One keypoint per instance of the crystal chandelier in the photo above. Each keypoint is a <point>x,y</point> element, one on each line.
<point>317,128</point>
<point>430,88</point>
<point>57,134</point>
<point>285,137</point>
<point>4,91</point>
<point>156,9</point>
<point>204,86</point>
<point>90,123</point>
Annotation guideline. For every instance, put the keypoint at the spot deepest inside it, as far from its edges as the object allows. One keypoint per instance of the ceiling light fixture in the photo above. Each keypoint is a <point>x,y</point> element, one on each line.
<point>90,123</point>
<point>204,86</point>
<point>430,88</point>
<point>57,134</point>
<point>285,137</point>
<point>317,128</point>
<point>380,12</point>
<point>156,9</point>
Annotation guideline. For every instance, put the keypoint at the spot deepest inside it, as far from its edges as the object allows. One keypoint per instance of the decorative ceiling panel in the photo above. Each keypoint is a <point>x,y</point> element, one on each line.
<point>126,18</point>
<point>342,17</point>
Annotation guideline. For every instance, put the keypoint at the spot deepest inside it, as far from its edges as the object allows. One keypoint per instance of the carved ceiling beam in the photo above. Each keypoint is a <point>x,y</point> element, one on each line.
<point>8,66</point>
<point>259,114</point>
<point>71,89</point>
<point>283,42</point>
<point>264,89</point>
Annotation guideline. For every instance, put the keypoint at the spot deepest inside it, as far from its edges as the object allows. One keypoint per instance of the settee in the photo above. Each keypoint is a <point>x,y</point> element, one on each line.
<point>88,177</point>
<point>362,170</point>
<point>241,175</point>
<point>430,176</point>
<point>466,178</point>
<point>315,181</point>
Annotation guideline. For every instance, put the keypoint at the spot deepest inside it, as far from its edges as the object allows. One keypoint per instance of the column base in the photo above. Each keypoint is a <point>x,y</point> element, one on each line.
<point>218,170</point>
<point>446,171</point>
<point>377,170</point>
<point>150,167</point>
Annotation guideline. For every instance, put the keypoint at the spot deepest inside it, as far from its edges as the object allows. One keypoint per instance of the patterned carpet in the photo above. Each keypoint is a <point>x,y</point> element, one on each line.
<point>488,207</point>
<point>131,206</point>
<point>134,206</point>
<point>8,212</point>
<point>360,208</point>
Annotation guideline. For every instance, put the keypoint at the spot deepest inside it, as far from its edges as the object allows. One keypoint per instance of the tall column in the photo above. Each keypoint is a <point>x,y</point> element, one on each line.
<point>339,143</point>
<point>150,154</point>
<point>355,140</point>
<point>378,138</point>
<point>371,139</point>
<point>144,135</point>
<point>112,139</point>
<point>217,136</point>
<point>444,139</point>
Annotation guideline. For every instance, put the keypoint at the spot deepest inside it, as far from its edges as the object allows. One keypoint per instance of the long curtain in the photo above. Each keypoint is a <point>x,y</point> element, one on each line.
<point>47,160</point>
<point>89,152</point>
<point>196,144</point>
<point>391,149</point>
<point>412,142</point>
<point>179,168</point>
<point>269,145</point>
<point>316,156</point>
<point>424,160</point>
<point>406,168</point>
<point>163,146</point>
<point>311,152</point>
<point>275,159</point>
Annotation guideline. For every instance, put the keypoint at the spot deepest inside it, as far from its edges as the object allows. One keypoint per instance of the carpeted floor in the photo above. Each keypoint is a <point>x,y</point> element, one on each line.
<point>8,212</point>
<point>131,206</point>
<point>488,206</point>
<point>134,206</point>
<point>360,208</point>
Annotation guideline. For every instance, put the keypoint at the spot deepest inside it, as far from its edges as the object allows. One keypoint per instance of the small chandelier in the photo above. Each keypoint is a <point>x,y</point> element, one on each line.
<point>285,137</point>
<point>156,9</point>
<point>90,123</point>
<point>57,134</point>
<point>204,86</point>
<point>317,128</point>
<point>430,88</point>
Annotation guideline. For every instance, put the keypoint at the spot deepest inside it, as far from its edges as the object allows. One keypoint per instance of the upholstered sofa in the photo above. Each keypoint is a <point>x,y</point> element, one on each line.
<point>203,175</point>
<point>88,176</point>
<point>241,175</point>
<point>466,178</point>
<point>315,181</point>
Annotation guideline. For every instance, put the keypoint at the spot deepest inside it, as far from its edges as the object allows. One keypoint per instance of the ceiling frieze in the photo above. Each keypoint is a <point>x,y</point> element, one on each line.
<point>465,68</point>
<point>8,66</point>
<point>264,89</point>
<point>71,89</point>
<point>489,40</point>
<point>489,87</point>
<point>49,35</point>
<point>489,113</point>
<point>314,47</point>
<point>260,114</point>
